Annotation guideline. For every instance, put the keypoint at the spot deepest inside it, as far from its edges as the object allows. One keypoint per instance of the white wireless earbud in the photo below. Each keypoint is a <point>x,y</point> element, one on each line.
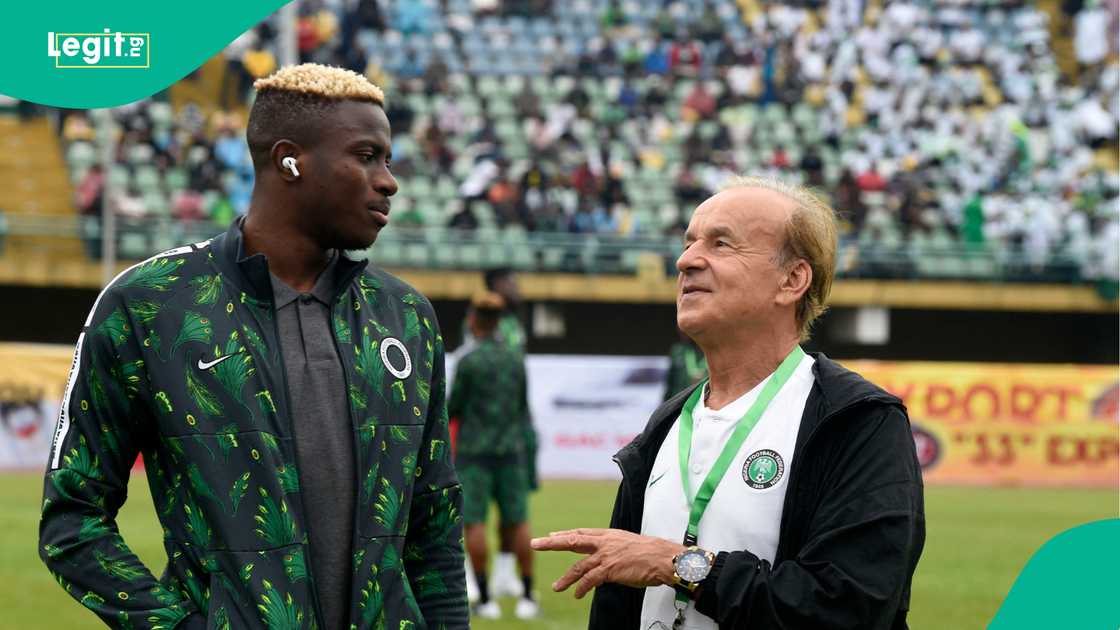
<point>290,164</point>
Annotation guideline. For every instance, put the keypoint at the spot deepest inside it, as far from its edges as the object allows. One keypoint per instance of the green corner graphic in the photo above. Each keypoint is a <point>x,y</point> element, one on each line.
<point>102,54</point>
<point>1069,583</point>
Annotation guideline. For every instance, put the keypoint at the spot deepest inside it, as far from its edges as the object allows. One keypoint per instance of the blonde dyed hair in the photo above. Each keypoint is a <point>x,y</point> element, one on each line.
<point>327,82</point>
<point>810,236</point>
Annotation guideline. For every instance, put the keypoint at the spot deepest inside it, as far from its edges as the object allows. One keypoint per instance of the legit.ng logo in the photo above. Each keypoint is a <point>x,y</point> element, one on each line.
<point>105,50</point>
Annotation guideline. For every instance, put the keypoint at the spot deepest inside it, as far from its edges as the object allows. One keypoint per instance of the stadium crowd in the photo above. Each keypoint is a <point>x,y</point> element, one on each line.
<point>933,126</point>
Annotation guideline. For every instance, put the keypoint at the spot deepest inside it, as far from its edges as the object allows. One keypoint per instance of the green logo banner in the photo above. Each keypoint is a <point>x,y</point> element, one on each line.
<point>102,54</point>
<point>1069,583</point>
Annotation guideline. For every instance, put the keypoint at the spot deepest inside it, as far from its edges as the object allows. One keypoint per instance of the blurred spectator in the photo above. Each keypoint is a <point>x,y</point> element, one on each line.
<point>503,196</point>
<point>484,8</point>
<point>230,149</point>
<point>613,16</point>
<point>709,27</point>
<point>307,37</point>
<point>527,103</point>
<point>664,22</point>
<point>1092,39</point>
<point>259,63</point>
<point>848,200</point>
<point>412,18</point>
<point>187,205</point>
<point>464,219</point>
<point>435,76</point>
<point>237,80</point>
<point>77,127</point>
<point>780,159</point>
<point>699,103</point>
<point>130,204</point>
<point>90,192</point>
<point>584,180</point>
<point>657,59</point>
<point>685,56</point>
<point>870,180</point>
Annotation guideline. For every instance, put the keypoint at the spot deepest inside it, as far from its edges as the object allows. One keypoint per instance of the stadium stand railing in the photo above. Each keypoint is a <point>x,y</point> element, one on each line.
<point>436,248</point>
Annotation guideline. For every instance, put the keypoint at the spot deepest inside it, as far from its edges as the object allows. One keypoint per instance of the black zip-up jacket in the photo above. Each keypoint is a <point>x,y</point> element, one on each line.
<point>853,521</point>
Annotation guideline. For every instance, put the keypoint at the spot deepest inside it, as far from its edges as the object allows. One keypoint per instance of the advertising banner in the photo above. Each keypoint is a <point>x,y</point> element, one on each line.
<point>585,408</point>
<point>973,423</point>
<point>32,378</point>
<point>1005,424</point>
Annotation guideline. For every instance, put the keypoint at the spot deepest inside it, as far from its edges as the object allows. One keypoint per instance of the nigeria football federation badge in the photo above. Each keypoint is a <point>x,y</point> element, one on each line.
<point>763,469</point>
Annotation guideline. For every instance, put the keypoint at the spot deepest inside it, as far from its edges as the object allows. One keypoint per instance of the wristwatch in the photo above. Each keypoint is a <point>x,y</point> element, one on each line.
<point>690,567</point>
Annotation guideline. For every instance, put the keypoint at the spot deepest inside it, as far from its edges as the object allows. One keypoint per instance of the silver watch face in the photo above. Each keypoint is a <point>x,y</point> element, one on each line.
<point>693,566</point>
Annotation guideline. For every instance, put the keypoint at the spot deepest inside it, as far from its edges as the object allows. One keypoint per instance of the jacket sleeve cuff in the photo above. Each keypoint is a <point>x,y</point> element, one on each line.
<point>707,603</point>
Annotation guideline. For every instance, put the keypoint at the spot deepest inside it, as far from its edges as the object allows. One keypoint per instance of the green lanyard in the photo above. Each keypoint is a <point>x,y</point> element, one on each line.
<point>742,430</point>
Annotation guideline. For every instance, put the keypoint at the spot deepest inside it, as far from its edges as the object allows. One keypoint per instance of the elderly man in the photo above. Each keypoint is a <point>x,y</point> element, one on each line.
<point>783,492</point>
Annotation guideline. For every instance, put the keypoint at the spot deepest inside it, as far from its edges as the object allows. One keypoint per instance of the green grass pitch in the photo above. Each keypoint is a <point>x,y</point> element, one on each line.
<point>978,539</point>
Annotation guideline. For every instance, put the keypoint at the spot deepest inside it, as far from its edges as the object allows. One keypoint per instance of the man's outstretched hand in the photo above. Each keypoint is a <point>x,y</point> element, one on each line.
<point>613,555</point>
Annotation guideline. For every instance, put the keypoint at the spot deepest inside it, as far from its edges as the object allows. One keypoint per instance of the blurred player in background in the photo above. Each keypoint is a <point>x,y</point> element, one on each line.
<point>511,333</point>
<point>687,367</point>
<point>289,403</point>
<point>490,398</point>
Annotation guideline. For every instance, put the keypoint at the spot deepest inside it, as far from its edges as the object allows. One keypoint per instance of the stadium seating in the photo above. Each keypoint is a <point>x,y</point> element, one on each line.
<point>904,115</point>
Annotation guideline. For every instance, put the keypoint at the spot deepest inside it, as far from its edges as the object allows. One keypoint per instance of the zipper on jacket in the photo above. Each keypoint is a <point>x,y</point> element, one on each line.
<point>355,533</point>
<point>295,456</point>
<point>794,477</point>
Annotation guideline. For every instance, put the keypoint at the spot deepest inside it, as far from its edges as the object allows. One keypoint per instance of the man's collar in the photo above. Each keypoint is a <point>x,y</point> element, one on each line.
<point>251,272</point>
<point>324,290</point>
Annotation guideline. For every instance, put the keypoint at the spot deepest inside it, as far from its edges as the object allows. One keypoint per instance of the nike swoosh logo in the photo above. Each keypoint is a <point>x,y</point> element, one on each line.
<point>206,365</point>
<point>658,478</point>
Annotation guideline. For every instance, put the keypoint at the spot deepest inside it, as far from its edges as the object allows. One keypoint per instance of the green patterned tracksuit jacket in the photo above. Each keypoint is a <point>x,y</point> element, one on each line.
<point>180,360</point>
<point>491,400</point>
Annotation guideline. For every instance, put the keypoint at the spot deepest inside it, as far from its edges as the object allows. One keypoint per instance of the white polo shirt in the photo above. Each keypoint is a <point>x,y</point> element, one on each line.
<point>746,509</point>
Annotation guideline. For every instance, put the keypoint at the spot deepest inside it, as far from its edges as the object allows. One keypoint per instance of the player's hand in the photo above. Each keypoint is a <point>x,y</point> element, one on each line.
<point>613,555</point>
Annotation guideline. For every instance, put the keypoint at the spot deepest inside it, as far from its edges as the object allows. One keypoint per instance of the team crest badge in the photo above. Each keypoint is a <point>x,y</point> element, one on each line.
<point>392,363</point>
<point>763,469</point>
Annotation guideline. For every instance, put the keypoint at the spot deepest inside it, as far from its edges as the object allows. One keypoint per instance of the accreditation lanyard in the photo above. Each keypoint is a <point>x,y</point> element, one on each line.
<point>699,503</point>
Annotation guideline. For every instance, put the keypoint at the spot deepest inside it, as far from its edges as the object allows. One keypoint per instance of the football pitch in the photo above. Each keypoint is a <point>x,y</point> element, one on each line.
<point>978,539</point>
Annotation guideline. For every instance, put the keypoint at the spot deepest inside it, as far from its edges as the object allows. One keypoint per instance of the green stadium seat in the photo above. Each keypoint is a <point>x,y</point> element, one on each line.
<point>416,255</point>
<point>133,245</point>
<point>502,108</point>
<point>484,212</point>
<point>163,237</point>
<point>561,85</point>
<point>489,86</point>
<point>387,252</point>
<point>468,255</point>
<point>552,258</point>
<point>161,114</point>
<point>118,177</point>
<point>76,175</point>
<point>156,203</point>
<point>146,179</point>
<point>176,179</point>
<point>630,260</point>
<point>522,257</point>
<point>81,155</point>
<point>140,154</point>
